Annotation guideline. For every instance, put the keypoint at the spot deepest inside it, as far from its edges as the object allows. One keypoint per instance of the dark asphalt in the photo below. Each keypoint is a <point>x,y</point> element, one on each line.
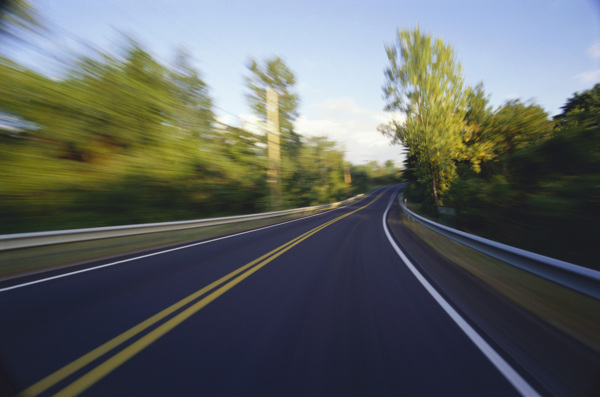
<point>337,314</point>
<point>551,361</point>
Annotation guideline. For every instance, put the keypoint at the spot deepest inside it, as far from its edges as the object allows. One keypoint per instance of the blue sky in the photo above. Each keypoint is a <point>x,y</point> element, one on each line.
<point>544,50</point>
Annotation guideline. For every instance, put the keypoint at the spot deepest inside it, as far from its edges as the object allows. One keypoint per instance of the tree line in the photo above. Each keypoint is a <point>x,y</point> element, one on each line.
<point>122,138</point>
<point>512,174</point>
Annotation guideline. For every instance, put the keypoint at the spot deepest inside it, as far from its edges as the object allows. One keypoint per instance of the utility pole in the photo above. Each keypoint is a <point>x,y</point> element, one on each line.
<point>273,149</point>
<point>347,175</point>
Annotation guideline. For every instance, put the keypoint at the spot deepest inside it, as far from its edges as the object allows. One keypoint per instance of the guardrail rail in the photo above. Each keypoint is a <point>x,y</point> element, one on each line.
<point>581,279</point>
<point>24,253</point>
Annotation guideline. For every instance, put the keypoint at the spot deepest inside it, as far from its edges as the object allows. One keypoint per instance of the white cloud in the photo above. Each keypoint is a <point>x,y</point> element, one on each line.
<point>354,128</point>
<point>592,76</point>
<point>249,122</point>
<point>253,123</point>
<point>225,119</point>
<point>594,51</point>
<point>340,120</point>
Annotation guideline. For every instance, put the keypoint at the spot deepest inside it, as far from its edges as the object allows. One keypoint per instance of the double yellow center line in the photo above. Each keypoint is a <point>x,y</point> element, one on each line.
<point>218,288</point>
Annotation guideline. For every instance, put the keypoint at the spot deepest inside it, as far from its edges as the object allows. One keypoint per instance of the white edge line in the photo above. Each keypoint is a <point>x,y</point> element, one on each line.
<point>509,373</point>
<point>42,280</point>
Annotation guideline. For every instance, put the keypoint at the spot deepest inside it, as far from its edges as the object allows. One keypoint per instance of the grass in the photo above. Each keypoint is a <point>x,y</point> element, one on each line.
<point>19,262</point>
<point>575,314</point>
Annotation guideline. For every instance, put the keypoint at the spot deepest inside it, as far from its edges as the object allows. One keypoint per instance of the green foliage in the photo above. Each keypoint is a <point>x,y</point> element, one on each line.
<point>372,175</point>
<point>478,148</point>
<point>124,139</point>
<point>312,169</point>
<point>541,190</point>
<point>316,175</point>
<point>582,110</point>
<point>118,140</point>
<point>276,75</point>
<point>512,174</point>
<point>16,17</point>
<point>516,126</point>
<point>192,106</point>
<point>424,82</point>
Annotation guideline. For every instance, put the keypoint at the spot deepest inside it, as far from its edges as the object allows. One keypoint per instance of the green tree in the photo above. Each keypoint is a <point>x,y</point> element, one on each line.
<point>16,17</point>
<point>276,75</point>
<point>582,109</point>
<point>315,175</point>
<point>192,107</point>
<point>478,147</point>
<point>544,184</point>
<point>574,149</point>
<point>242,185</point>
<point>515,126</point>
<point>424,82</point>
<point>118,101</point>
<point>121,139</point>
<point>390,168</point>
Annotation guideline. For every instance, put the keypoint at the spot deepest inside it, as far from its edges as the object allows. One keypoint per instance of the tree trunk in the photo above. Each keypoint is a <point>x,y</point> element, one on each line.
<point>434,184</point>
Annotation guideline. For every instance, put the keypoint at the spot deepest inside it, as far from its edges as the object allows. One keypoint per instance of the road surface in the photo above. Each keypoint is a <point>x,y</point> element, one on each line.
<point>321,306</point>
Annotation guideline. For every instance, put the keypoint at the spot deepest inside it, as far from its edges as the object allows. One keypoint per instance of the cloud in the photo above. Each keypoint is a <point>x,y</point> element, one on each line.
<point>225,119</point>
<point>592,76</point>
<point>353,127</point>
<point>594,50</point>
<point>340,120</point>
<point>249,122</point>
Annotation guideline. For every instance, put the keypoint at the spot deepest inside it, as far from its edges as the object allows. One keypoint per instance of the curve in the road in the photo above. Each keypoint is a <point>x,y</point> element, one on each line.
<point>509,373</point>
<point>218,288</point>
<point>335,312</point>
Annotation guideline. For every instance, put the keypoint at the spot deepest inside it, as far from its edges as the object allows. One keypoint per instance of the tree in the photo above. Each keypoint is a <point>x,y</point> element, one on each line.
<point>478,147</point>
<point>316,175</point>
<point>123,101</point>
<point>543,183</point>
<point>515,126</point>
<point>192,111</point>
<point>424,82</point>
<point>276,75</point>
<point>575,147</point>
<point>17,16</point>
<point>583,109</point>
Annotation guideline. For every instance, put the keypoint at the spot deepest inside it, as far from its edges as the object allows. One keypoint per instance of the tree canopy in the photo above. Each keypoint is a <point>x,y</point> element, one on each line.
<point>424,82</point>
<point>17,16</point>
<point>124,138</point>
<point>275,74</point>
<point>511,173</point>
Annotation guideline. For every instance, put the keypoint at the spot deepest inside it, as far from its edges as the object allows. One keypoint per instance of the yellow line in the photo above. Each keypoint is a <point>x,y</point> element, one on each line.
<point>115,361</point>
<point>76,365</point>
<point>112,363</point>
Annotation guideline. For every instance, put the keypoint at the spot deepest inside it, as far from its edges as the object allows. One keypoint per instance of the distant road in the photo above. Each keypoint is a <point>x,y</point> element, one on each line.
<point>321,306</point>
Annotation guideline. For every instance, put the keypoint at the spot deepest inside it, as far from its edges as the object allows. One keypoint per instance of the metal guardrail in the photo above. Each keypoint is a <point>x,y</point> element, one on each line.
<point>28,240</point>
<point>577,278</point>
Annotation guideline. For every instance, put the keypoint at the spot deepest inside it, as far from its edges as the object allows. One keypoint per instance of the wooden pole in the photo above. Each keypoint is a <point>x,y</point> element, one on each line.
<point>273,149</point>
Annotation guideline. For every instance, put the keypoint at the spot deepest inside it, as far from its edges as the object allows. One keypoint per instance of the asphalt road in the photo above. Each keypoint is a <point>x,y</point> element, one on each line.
<point>322,306</point>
